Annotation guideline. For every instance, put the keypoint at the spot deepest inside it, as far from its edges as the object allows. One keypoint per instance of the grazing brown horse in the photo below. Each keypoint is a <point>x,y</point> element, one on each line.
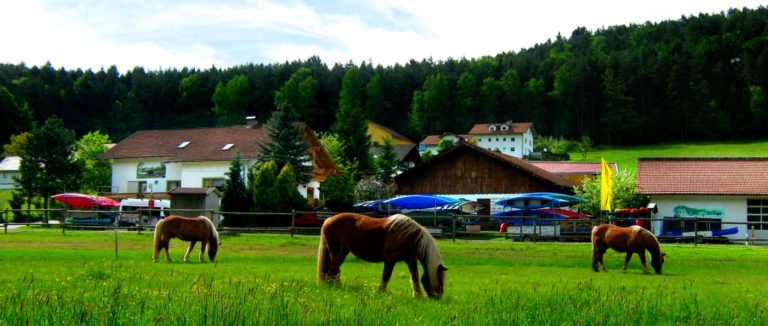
<point>389,240</point>
<point>633,239</point>
<point>192,229</point>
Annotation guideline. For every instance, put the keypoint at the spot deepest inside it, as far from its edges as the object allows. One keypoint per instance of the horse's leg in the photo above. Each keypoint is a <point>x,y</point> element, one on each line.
<point>202,251</point>
<point>626,260</point>
<point>386,275</point>
<point>642,260</point>
<point>601,256</point>
<point>189,249</point>
<point>413,267</point>
<point>595,257</point>
<point>165,244</point>
<point>337,258</point>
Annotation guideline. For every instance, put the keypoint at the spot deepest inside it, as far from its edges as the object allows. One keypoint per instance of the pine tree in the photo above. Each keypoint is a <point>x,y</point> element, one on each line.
<point>351,123</point>
<point>235,195</point>
<point>47,164</point>
<point>387,161</point>
<point>287,143</point>
<point>289,195</point>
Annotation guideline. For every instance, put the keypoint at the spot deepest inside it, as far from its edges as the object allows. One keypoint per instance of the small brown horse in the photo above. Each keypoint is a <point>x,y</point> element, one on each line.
<point>389,240</point>
<point>188,229</point>
<point>633,239</point>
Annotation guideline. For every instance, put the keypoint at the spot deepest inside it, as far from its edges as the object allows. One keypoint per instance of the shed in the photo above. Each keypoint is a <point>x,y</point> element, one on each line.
<point>186,200</point>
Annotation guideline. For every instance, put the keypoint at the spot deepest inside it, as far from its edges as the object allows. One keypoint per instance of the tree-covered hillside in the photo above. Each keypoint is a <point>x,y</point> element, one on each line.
<point>696,78</point>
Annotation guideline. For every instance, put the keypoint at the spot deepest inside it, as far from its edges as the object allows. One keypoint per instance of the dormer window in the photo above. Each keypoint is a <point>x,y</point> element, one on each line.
<point>504,127</point>
<point>183,144</point>
<point>491,128</point>
<point>227,147</point>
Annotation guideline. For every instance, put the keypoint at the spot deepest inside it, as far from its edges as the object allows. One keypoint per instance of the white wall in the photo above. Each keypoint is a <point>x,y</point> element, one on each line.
<point>734,210</point>
<point>192,173</point>
<point>6,180</point>
<point>522,143</point>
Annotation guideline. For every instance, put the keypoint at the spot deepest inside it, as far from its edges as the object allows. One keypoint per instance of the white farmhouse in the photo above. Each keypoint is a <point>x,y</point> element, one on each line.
<point>513,139</point>
<point>728,192</point>
<point>158,161</point>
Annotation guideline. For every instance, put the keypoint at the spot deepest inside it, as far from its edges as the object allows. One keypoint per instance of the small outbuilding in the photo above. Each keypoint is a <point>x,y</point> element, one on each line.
<point>195,202</point>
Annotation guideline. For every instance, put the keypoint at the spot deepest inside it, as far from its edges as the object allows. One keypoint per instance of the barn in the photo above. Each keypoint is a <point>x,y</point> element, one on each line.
<point>725,190</point>
<point>475,173</point>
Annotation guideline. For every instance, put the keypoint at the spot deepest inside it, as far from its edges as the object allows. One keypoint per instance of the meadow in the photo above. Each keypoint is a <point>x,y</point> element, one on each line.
<point>77,278</point>
<point>627,156</point>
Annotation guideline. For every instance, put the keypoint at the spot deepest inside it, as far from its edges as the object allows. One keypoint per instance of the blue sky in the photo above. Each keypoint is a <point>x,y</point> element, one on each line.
<point>159,34</point>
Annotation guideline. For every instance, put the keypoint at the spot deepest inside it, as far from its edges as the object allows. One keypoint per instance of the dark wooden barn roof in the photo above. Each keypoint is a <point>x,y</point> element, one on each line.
<point>470,169</point>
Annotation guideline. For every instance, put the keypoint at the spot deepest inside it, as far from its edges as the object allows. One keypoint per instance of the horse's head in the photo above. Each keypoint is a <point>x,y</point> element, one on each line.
<point>213,248</point>
<point>434,288</point>
<point>657,262</point>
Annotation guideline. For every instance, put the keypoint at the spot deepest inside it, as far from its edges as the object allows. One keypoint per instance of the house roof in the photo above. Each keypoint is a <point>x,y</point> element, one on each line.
<point>435,139</point>
<point>10,163</point>
<point>402,151</point>
<point>514,128</point>
<point>565,167</point>
<point>396,137</point>
<point>703,176</point>
<point>205,144</point>
<point>506,159</point>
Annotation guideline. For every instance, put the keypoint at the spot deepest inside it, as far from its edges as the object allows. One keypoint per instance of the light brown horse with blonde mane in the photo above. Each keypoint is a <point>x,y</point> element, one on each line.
<point>633,239</point>
<point>192,229</point>
<point>389,240</point>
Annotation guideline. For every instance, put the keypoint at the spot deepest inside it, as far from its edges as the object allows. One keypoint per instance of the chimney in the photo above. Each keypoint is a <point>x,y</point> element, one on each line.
<point>251,121</point>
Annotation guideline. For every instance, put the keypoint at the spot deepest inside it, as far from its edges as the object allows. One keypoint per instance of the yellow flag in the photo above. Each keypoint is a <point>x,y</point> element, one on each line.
<point>606,186</point>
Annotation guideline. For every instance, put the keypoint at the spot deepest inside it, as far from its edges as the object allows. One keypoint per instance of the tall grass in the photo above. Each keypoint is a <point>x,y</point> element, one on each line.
<point>49,278</point>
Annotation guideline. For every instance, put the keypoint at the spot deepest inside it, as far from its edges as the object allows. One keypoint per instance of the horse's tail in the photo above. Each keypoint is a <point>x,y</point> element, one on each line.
<point>158,234</point>
<point>323,258</point>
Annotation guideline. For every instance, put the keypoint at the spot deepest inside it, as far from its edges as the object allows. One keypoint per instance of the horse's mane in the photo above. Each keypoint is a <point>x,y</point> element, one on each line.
<point>641,231</point>
<point>406,228</point>
<point>212,227</point>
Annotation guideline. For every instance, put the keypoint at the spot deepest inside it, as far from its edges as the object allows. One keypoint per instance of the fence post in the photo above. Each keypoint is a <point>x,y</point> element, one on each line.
<point>139,225</point>
<point>5,220</point>
<point>293,220</point>
<point>695,231</point>
<point>453,222</point>
<point>114,226</point>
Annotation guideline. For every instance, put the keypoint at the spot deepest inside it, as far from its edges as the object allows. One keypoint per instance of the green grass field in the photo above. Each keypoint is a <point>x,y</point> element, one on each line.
<point>627,156</point>
<point>50,278</point>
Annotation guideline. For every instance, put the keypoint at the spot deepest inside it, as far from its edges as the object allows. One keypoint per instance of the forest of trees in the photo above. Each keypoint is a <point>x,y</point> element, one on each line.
<point>697,78</point>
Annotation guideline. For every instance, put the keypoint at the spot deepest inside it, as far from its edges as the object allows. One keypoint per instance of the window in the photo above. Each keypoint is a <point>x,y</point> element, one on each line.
<point>504,127</point>
<point>172,184</point>
<point>227,147</point>
<point>757,211</point>
<point>492,128</point>
<point>218,183</point>
<point>183,144</point>
<point>142,187</point>
<point>504,139</point>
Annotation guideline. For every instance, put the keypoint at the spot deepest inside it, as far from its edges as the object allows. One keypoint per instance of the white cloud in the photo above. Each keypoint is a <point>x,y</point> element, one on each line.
<point>177,33</point>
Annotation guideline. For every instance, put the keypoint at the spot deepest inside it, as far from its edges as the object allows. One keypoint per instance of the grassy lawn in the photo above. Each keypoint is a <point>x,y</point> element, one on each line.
<point>50,278</point>
<point>627,156</point>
